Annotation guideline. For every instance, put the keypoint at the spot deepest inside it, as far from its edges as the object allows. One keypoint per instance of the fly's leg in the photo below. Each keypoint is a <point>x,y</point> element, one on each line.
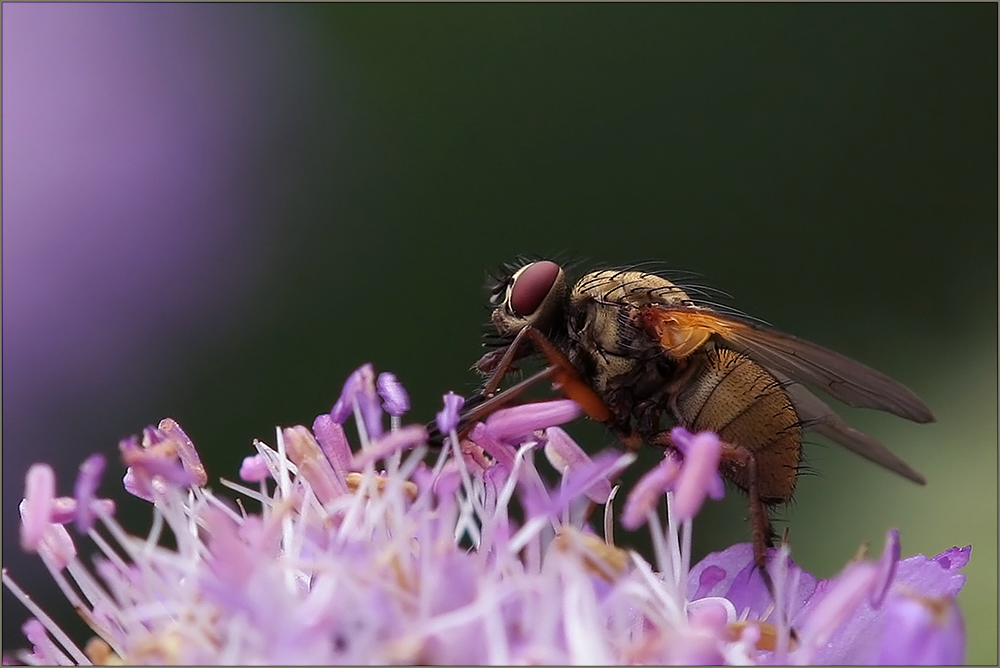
<point>758,511</point>
<point>560,370</point>
<point>504,365</point>
<point>569,380</point>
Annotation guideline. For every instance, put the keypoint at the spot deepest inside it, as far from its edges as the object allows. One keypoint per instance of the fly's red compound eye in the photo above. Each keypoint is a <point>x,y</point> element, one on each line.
<point>531,285</point>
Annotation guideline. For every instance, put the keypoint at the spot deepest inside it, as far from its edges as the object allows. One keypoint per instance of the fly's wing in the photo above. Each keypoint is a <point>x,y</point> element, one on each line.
<point>819,417</point>
<point>681,331</point>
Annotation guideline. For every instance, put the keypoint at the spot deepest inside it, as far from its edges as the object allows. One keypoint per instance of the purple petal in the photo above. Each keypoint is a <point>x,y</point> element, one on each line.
<point>57,546</point>
<point>934,577</point>
<point>715,574</point>
<point>39,493</point>
<point>954,558</point>
<point>682,439</point>
<point>254,468</point>
<point>501,452</point>
<point>43,648</point>
<point>55,543</point>
<point>514,424</point>
<point>732,574</point>
<point>360,389</point>
<point>699,474</point>
<point>570,460</point>
<point>86,485</point>
<point>448,482</point>
<point>494,479</point>
<point>461,587</point>
<point>344,407</point>
<point>448,418</point>
<point>859,638</point>
<point>921,631</point>
<point>832,608</point>
<point>648,490</point>
<point>709,614</point>
<point>371,413</point>
<point>696,650</point>
<point>562,451</point>
<point>312,465</point>
<point>137,486</point>
<point>575,465</point>
<point>536,499</point>
<point>158,460</point>
<point>230,559</point>
<point>395,400</point>
<point>887,567</point>
<point>185,450</point>
<point>163,460</point>
<point>746,589</point>
<point>63,510</point>
<point>395,441</point>
<point>333,442</point>
<point>590,479</point>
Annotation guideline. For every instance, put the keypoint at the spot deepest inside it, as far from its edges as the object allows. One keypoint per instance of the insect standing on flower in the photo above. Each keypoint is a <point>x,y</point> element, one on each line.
<point>638,353</point>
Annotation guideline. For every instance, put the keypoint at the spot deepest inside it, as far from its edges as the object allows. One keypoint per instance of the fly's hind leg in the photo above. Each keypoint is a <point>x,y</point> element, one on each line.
<point>763,535</point>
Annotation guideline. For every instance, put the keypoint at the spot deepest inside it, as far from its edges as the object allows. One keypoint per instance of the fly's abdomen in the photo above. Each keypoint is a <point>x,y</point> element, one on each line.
<point>736,398</point>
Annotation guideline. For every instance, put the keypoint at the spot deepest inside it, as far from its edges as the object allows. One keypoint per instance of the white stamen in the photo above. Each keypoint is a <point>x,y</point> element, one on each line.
<point>57,633</point>
<point>609,519</point>
<point>260,497</point>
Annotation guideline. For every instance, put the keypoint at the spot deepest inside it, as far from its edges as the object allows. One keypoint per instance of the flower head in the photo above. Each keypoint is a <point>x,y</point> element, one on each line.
<point>370,554</point>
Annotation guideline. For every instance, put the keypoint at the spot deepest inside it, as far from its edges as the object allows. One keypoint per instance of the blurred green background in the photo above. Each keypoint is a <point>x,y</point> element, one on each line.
<point>833,167</point>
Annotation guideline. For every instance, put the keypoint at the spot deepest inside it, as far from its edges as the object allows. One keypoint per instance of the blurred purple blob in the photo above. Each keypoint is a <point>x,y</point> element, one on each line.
<point>87,482</point>
<point>143,178</point>
<point>127,211</point>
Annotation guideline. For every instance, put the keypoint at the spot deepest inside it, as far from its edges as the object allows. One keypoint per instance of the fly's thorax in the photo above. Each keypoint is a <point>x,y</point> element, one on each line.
<point>634,288</point>
<point>603,310</point>
<point>601,319</point>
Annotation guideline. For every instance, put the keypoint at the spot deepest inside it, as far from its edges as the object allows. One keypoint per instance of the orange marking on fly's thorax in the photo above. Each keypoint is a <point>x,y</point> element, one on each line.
<point>681,332</point>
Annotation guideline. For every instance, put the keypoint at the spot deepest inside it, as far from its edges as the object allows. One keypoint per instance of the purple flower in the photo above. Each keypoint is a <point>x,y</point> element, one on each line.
<point>835,620</point>
<point>329,560</point>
